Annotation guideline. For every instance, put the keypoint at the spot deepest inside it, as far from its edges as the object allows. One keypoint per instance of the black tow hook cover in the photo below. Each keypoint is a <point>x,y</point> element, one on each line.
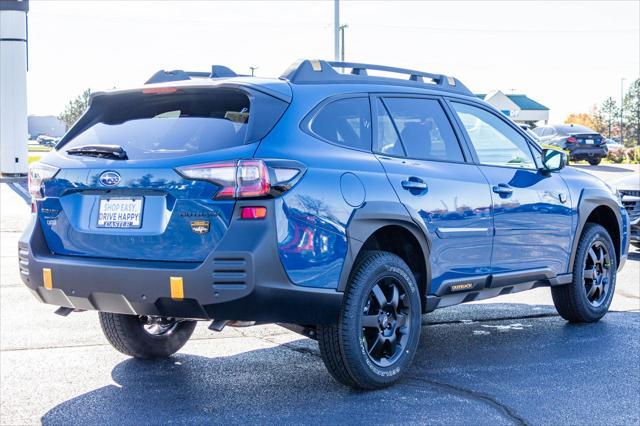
<point>217,325</point>
<point>62,311</point>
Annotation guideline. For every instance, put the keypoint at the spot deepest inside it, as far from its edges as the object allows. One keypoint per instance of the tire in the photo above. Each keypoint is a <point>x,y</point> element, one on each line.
<point>365,356</point>
<point>577,301</point>
<point>595,161</point>
<point>127,334</point>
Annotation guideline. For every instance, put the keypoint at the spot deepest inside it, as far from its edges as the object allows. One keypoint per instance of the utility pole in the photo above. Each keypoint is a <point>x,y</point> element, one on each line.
<point>253,69</point>
<point>622,110</point>
<point>336,30</point>
<point>342,28</point>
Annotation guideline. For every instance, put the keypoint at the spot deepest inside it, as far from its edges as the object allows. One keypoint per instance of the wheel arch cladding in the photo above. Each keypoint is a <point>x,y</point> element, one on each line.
<point>597,206</point>
<point>391,231</point>
<point>604,216</point>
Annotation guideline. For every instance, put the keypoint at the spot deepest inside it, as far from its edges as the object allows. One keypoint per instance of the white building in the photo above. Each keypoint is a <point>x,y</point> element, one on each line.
<point>49,125</point>
<point>520,108</point>
<point>13,87</point>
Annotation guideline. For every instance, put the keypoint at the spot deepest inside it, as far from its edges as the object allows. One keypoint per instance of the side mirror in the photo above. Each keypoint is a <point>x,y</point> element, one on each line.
<point>553,160</point>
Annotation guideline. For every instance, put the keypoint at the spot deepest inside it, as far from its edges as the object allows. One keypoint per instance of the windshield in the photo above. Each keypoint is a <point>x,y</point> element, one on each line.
<point>153,125</point>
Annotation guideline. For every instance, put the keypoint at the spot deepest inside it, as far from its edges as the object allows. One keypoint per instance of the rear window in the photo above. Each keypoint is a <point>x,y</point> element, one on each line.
<point>345,122</point>
<point>161,125</point>
<point>538,131</point>
<point>565,130</point>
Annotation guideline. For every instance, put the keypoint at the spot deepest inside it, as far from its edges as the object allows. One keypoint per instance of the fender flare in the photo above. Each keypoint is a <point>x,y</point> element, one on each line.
<point>373,216</point>
<point>590,199</point>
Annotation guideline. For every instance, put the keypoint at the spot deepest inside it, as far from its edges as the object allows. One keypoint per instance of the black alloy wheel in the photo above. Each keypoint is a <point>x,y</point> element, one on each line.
<point>385,329</point>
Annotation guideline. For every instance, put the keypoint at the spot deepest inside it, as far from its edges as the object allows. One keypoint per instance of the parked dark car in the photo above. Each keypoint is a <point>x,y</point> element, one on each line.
<point>340,205</point>
<point>580,142</point>
<point>48,141</point>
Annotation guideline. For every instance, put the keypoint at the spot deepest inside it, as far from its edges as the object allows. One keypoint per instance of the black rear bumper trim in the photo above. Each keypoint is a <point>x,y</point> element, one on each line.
<point>242,279</point>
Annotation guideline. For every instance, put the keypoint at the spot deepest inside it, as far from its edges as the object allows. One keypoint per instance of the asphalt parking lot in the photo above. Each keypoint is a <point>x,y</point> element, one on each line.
<point>510,360</point>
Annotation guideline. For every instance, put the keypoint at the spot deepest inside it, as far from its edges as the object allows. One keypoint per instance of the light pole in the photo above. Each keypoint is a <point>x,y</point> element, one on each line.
<point>336,30</point>
<point>622,110</point>
<point>342,28</point>
<point>253,69</point>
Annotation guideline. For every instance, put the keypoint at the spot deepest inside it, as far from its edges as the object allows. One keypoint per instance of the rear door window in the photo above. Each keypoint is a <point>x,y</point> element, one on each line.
<point>345,122</point>
<point>158,125</point>
<point>387,140</point>
<point>423,128</point>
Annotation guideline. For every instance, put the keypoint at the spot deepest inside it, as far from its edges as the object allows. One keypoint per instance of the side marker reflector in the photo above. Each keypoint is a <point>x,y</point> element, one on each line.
<point>177,288</point>
<point>46,278</point>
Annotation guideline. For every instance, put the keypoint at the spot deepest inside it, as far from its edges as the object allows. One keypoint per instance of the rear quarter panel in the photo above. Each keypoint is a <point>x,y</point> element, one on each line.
<point>312,218</point>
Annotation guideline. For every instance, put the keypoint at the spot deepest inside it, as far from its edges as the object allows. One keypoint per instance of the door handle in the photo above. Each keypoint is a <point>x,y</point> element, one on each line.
<point>502,189</point>
<point>415,184</point>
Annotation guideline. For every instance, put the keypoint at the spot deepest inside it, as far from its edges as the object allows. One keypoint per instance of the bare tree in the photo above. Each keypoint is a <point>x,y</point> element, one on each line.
<point>75,108</point>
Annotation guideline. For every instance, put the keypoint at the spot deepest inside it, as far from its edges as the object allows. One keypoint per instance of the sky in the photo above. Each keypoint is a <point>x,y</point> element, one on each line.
<point>566,55</point>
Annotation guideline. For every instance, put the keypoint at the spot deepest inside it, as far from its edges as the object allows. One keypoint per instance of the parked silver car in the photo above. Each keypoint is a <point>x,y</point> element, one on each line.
<point>613,146</point>
<point>629,189</point>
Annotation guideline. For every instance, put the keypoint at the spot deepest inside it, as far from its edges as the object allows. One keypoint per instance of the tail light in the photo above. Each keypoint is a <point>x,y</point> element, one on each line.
<point>245,178</point>
<point>38,173</point>
<point>571,139</point>
<point>160,90</point>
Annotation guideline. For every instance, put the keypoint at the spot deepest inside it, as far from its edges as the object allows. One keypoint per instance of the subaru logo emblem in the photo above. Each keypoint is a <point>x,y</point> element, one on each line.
<point>109,178</point>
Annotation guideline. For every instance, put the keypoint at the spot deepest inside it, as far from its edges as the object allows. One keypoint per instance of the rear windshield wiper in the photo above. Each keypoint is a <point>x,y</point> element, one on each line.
<point>102,151</point>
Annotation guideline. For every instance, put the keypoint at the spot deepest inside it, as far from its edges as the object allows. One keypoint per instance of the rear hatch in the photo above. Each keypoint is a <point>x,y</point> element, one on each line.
<point>117,193</point>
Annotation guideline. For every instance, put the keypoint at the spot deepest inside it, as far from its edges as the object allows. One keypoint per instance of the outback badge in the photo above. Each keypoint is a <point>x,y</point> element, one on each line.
<point>200,226</point>
<point>460,287</point>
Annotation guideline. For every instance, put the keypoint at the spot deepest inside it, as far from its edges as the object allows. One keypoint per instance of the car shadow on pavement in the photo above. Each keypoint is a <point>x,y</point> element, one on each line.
<point>536,368</point>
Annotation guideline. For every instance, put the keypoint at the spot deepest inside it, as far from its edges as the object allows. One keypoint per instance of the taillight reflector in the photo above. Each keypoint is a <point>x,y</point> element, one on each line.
<point>253,213</point>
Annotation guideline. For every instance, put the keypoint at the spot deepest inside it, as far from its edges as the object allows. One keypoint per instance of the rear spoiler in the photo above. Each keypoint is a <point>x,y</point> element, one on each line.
<point>217,71</point>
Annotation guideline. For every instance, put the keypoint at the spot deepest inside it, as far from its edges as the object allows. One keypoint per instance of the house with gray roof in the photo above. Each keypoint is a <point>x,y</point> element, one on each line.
<point>520,108</point>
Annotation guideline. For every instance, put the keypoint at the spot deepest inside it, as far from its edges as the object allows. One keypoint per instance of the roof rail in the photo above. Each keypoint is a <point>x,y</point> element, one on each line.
<point>217,71</point>
<point>319,71</point>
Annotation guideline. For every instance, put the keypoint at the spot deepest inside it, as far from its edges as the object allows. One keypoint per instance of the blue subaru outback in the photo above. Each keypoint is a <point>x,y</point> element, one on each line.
<point>339,204</point>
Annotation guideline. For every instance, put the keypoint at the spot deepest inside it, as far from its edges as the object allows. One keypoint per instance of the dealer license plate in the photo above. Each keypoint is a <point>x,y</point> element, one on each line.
<point>120,212</point>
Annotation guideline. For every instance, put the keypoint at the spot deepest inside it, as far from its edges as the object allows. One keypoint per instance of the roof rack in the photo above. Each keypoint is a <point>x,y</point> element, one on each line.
<point>217,71</point>
<point>319,71</point>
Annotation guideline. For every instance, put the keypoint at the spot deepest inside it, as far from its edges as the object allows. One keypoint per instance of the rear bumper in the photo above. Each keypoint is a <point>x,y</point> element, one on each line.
<point>579,152</point>
<point>242,279</point>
